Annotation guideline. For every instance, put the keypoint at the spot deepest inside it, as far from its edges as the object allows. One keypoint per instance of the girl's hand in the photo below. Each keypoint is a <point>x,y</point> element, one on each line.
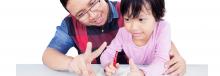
<point>110,69</point>
<point>134,71</point>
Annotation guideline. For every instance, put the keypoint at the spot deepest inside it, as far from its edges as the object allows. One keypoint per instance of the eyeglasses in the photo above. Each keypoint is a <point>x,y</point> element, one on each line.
<point>84,15</point>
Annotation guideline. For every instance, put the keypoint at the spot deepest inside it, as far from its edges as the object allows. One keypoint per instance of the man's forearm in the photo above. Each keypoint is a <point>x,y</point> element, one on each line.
<point>173,48</point>
<point>56,60</point>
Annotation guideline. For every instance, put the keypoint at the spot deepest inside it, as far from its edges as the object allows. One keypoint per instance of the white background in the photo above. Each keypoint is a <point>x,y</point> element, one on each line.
<point>27,26</point>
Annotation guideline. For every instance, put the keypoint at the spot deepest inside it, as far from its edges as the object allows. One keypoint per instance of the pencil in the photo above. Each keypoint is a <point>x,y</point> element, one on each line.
<point>115,59</point>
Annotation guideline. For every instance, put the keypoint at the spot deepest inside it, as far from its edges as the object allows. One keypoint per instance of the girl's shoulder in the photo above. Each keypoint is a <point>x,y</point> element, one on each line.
<point>162,27</point>
<point>122,30</point>
<point>162,24</point>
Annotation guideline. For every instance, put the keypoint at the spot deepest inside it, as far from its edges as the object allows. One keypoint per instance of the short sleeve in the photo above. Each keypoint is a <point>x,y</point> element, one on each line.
<point>62,41</point>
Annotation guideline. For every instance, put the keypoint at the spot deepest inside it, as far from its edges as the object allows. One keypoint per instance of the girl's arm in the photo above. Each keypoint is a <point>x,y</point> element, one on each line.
<point>109,54</point>
<point>161,55</point>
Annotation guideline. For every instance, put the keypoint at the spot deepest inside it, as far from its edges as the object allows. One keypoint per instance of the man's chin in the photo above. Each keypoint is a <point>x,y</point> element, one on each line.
<point>96,25</point>
<point>100,24</point>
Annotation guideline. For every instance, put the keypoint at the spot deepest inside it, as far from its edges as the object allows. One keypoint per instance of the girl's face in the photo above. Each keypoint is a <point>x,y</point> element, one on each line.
<point>142,26</point>
<point>89,12</point>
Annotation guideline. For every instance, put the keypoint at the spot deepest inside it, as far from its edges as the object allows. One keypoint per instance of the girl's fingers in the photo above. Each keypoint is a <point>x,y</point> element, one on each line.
<point>113,68</point>
<point>133,66</point>
<point>108,69</point>
<point>108,74</point>
<point>117,65</point>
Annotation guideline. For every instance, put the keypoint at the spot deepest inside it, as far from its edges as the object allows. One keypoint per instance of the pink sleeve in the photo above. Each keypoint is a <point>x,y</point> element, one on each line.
<point>161,55</point>
<point>109,53</point>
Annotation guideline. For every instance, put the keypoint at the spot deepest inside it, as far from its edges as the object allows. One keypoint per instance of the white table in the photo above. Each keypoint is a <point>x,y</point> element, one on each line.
<point>42,70</point>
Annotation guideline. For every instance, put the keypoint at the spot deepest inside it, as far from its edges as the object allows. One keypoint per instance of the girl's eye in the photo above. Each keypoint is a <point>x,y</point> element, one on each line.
<point>126,19</point>
<point>140,19</point>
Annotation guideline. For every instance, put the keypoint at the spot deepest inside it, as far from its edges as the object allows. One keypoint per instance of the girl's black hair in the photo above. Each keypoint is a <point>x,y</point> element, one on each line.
<point>156,6</point>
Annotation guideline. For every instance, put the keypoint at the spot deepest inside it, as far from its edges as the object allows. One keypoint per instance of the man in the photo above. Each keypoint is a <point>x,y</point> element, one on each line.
<point>94,21</point>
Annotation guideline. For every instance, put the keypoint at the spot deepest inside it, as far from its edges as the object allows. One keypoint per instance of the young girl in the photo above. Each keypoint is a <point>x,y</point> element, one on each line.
<point>145,38</point>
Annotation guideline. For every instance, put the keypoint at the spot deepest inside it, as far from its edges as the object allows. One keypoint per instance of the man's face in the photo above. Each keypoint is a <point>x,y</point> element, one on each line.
<point>89,12</point>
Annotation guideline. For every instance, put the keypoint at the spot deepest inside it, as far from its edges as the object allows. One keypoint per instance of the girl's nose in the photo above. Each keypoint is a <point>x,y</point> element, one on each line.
<point>134,25</point>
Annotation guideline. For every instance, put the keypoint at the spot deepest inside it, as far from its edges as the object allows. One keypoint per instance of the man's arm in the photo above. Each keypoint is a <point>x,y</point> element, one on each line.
<point>176,65</point>
<point>79,64</point>
<point>56,60</point>
<point>174,49</point>
<point>54,55</point>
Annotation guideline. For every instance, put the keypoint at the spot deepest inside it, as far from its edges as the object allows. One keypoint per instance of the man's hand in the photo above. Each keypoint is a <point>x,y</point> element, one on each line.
<point>176,66</point>
<point>110,69</point>
<point>81,64</point>
<point>134,71</point>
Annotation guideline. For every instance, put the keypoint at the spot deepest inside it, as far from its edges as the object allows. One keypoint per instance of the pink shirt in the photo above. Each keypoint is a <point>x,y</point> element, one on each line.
<point>152,55</point>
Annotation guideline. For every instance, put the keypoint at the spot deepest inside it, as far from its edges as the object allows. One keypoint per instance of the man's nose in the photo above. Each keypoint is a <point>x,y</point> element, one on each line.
<point>92,15</point>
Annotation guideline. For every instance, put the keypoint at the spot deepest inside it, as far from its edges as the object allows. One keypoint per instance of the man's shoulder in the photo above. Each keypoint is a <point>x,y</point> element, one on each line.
<point>66,24</point>
<point>68,19</point>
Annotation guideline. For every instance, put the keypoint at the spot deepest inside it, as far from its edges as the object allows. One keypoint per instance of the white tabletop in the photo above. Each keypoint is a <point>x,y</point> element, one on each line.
<point>42,70</point>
